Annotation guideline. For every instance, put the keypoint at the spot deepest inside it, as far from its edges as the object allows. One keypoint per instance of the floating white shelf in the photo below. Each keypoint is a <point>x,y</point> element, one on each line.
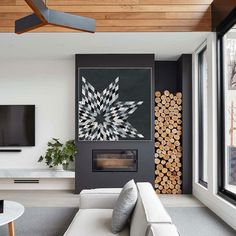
<point>35,173</point>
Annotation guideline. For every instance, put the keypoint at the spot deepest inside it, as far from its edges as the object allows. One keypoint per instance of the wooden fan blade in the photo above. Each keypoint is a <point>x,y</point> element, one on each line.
<point>28,23</point>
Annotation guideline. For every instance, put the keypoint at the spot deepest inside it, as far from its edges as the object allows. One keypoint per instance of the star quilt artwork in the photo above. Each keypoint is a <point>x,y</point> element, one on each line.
<point>114,104</point>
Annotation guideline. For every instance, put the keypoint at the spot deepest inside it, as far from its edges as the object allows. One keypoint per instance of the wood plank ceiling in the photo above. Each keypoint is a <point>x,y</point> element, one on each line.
<point>121,15</point>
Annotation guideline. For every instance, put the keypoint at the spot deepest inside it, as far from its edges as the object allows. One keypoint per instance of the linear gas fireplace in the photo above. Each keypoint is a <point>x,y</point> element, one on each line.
<point>115,160</point>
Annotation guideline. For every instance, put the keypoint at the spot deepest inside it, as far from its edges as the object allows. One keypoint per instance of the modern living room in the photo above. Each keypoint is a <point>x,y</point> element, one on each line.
<point>117,118</point>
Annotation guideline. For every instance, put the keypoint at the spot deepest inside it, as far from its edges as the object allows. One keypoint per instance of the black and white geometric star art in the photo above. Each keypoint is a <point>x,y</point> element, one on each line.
<point>102,116</point>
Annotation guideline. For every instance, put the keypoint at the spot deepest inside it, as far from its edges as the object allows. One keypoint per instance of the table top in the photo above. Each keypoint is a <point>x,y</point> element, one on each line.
<point>12,211</point>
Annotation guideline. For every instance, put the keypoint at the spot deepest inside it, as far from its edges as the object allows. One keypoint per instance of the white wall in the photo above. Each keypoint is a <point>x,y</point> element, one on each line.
<point>209,196</point>
<point>49,84</point>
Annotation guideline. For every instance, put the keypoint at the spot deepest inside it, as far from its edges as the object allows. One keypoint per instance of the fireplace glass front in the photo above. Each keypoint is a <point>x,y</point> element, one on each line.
<point>115,160</point>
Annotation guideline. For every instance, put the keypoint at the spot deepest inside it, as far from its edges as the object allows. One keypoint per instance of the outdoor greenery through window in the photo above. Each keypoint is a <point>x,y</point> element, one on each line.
<point>229,74</point>
<point>202,116</point>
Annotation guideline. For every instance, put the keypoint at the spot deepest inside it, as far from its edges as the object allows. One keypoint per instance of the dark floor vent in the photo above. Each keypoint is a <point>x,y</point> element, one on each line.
<point>26,181</point>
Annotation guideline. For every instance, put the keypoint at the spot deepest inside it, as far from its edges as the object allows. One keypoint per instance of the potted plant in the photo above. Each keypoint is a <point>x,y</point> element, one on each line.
<point>58,155</point>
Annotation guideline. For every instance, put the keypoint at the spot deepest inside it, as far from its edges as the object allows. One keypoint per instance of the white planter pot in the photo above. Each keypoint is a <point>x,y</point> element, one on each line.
<point>59,167</point>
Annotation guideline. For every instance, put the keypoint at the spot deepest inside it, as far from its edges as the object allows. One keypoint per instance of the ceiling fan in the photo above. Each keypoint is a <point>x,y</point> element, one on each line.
<point>44,16</point>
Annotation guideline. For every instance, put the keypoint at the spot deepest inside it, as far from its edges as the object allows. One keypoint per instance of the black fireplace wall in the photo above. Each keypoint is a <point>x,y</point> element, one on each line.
<point>85,178</point>
<point>169,75</point>
<point>166,73</point>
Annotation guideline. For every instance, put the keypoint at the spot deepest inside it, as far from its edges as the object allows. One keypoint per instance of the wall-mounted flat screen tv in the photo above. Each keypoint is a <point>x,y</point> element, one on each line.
<point>17,125</point>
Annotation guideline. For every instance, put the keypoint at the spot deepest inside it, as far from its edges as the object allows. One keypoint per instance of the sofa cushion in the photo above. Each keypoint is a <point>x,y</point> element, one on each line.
<point>102,198</point>
<point>162,230</point>
<point>102,190</point>
<point>148,210</point>
<point>90,222</point>
<point>124,206</point>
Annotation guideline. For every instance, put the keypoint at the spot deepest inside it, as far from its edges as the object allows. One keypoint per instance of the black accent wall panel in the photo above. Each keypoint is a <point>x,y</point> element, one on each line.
<point>185,86</point>
<point>85,178</point>
<point>166,76</point>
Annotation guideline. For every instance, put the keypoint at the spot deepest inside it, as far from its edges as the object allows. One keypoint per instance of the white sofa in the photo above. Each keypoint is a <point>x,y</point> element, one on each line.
<point>149,217</point>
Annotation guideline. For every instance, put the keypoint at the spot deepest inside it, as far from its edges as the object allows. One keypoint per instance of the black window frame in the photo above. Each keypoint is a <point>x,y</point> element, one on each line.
<point>228,23</point>
<point>201,145</point>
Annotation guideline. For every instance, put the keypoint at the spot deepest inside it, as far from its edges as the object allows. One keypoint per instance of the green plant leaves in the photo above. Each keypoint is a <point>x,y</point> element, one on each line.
<point>58,153</point>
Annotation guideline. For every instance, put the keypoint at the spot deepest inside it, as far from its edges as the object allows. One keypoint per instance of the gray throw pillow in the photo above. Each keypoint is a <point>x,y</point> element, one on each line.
<point>124,207</point>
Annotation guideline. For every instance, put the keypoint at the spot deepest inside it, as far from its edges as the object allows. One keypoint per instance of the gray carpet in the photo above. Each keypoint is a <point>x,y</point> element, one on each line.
<point>48,221</point>
<point>197,221</point>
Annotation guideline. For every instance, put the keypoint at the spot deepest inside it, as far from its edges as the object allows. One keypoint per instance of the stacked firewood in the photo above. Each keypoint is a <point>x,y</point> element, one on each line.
<point>168,131</point>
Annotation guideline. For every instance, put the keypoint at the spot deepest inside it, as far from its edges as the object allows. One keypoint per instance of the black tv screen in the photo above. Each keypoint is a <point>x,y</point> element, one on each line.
<point>17,125</point>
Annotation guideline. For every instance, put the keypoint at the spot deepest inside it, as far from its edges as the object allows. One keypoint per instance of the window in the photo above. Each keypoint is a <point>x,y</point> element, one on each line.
<point>227,113</point>
<point>202,115</point>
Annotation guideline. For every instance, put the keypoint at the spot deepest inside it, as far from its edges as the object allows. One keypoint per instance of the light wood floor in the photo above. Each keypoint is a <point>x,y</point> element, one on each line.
<point>63,198</point>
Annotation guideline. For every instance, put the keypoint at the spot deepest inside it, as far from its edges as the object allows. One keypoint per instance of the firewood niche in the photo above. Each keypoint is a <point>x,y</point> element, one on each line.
<point>168,150</point>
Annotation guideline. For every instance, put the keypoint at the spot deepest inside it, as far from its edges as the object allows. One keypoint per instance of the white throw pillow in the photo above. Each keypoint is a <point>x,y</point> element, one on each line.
<point>124,206</point>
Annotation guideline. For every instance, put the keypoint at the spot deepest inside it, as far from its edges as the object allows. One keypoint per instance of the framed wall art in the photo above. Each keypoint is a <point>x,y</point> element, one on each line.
<point>114,104</point>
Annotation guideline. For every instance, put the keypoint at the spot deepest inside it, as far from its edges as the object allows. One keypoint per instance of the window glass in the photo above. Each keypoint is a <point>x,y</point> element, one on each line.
<point>229,65</point>
<point>202,109</point>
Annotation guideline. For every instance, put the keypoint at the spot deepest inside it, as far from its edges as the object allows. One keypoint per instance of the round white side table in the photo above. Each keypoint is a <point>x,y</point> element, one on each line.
<point>11,211</point>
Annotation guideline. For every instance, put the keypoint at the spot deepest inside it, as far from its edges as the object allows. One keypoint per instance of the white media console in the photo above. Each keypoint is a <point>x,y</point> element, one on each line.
<point>36,179</point>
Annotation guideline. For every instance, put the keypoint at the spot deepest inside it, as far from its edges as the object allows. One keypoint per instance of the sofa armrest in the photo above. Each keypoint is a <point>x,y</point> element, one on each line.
<point>162,230</point>
<point>102,198</point>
